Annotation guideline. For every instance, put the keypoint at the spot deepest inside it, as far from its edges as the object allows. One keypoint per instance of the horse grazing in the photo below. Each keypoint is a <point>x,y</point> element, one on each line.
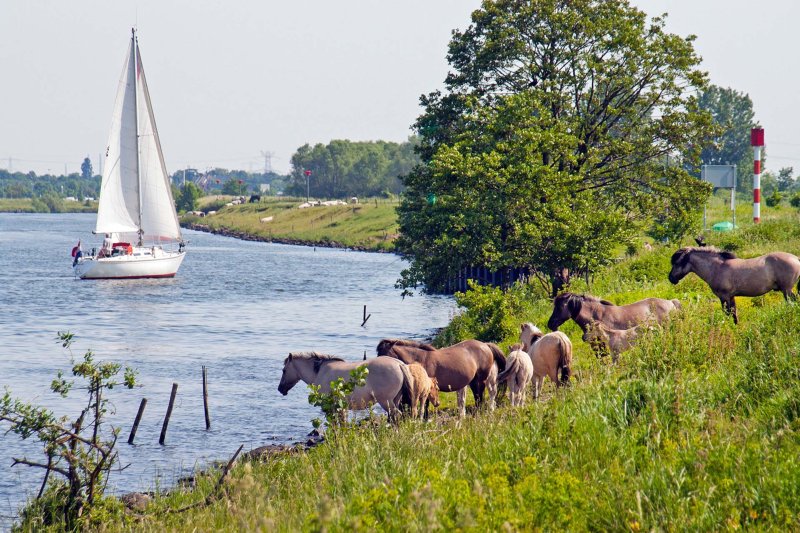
<point>585,309</point>
<point>605,340</point>
<point>425,391</point>
<point>471,362</point>
<point>389,382</point>
<point>728,276</point>
<point>550,354</point>
<point>518,373</point>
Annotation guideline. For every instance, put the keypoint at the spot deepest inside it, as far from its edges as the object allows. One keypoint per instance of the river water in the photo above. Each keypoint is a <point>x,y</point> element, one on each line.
<point>236,307</point>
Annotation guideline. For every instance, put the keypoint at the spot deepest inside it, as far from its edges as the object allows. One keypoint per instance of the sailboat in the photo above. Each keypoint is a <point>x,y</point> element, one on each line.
<point>136,212</point>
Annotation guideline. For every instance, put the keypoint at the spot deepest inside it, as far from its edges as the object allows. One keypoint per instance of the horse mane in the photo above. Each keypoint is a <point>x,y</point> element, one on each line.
<point>709,250</point>
<point>572,298</point>
<point>386,344</point>
<point>316,357</point>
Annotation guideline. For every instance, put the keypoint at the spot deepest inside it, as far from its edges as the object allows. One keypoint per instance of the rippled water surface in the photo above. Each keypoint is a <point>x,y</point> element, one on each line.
<point>236,307</point>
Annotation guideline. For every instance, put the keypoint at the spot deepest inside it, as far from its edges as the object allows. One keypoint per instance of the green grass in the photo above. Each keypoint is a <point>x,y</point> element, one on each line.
<point>371,224</point>
<point>695,429</point>
<point>27,205</point>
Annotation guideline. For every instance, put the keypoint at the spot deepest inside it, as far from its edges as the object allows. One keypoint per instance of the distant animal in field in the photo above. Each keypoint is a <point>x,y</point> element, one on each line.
<point>585,309</point>
<point>551,355</point>
<point>470,362</point>
<point>425,391</point>
<point>518,374</point>
<point>255,198</point>
<point>728,276</point>
<point>389,382</point>
<point>604,340</point>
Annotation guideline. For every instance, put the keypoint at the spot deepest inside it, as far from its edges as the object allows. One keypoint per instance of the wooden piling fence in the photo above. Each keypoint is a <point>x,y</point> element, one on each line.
<point>137,420</point>
<point>169,413</point>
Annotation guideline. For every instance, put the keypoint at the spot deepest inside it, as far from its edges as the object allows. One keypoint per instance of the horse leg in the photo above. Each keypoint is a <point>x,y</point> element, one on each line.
<point>477,391</point>
<point>538,382</point>
<point>461,400</point>
<point>729,306</point>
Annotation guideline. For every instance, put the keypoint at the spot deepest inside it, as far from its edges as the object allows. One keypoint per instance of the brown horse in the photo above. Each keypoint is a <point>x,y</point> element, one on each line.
<point>470,362</point>
<point>585,309</point>
<point>728,276</point>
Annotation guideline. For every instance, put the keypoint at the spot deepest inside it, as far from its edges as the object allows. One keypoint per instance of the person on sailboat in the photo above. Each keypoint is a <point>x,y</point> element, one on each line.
<point>108,242</point>
<point>77,253</point>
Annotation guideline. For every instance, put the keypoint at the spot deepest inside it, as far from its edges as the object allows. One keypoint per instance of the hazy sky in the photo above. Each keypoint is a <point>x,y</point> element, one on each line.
<point>230,80</point>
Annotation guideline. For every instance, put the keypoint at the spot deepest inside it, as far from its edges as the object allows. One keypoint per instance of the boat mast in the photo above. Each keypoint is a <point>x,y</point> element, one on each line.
<point>136,67</point>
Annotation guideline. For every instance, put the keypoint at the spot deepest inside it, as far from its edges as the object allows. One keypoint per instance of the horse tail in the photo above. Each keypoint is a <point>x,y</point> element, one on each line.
<point>406,389</point>
<point>498,355</point>
<point>564,360</point>
<point>512,363</point>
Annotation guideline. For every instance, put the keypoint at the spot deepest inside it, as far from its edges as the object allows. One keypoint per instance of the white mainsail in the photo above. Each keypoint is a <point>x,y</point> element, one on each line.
<point>135,194</point>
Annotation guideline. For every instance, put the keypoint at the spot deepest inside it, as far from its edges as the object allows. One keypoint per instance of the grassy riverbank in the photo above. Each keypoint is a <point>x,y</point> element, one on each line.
<point>697,428</point>
<point>369,225</point>
<point>30,205</point>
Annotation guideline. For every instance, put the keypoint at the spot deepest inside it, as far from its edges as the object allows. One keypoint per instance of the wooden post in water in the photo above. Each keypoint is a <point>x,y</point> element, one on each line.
<point>137,420</point>
<point>169,413</point>
<point>205,397</point>
<point>365,316</point>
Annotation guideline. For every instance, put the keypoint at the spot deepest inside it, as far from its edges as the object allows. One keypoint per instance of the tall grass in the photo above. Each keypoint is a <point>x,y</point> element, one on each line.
<point>696,428</point>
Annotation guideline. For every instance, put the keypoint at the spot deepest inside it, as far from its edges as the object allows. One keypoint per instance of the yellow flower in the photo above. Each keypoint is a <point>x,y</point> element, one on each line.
<point>635,525</point>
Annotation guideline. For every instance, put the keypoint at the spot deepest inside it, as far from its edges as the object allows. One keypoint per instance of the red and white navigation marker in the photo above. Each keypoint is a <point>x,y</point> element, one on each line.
<point>757,142</point>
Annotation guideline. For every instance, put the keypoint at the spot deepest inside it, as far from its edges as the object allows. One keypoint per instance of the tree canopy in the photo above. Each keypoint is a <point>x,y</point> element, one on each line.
<point>732,112</point>
<point>345,168</point>
<point>558,136</point>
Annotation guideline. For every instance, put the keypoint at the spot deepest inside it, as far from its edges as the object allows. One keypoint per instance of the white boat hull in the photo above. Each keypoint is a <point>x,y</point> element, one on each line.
<point>161,264</point>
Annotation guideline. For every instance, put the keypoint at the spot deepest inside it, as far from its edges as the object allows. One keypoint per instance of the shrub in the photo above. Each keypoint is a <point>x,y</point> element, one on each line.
<point>334,403</point>
<point>794,201</point>
<point>78,450</point>
<point>774,199</point>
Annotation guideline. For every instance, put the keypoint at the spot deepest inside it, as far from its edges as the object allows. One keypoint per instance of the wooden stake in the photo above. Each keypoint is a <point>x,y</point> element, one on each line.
<point>205,398</point>
<point>169,413</point>
<point>137,420</point>
<point>366,317</point>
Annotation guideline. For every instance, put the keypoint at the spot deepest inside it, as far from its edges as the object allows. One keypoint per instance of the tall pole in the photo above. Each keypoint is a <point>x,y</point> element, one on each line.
<point>757,142</point>
<point>308,181</point>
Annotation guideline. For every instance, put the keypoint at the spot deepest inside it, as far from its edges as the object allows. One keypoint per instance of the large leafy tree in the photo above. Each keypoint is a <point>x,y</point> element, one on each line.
<point>732,112</point>
<point>553,141</point>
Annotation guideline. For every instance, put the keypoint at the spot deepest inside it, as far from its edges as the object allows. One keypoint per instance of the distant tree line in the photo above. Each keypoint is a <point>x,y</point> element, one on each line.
<point>345,168</point>
<point>30,185</point>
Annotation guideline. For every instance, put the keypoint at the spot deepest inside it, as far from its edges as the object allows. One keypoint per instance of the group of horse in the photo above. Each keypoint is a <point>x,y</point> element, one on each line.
<point>411,373</point>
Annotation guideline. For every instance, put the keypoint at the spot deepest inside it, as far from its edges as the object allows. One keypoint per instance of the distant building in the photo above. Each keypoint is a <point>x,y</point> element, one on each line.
<point>264,187</point>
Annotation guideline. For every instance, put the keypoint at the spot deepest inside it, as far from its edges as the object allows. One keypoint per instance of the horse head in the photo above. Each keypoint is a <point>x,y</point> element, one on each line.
<point>566,305</point>
<point>290,375</point>
<point>529,334</point>
<point>433,396</point>
<point>385,346</point>
<point>680,265</point>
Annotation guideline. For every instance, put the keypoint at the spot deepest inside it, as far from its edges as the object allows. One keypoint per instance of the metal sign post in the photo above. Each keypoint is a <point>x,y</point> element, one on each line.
<point>721,177</point>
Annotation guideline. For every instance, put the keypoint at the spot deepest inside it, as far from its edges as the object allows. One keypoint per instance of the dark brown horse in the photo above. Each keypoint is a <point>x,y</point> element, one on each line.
<point>728,276</point>
<point>471,362</point>
<point>585,310</point>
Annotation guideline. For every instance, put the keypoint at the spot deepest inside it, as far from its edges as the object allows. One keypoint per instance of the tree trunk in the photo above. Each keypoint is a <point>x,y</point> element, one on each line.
<point>560,280</point>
